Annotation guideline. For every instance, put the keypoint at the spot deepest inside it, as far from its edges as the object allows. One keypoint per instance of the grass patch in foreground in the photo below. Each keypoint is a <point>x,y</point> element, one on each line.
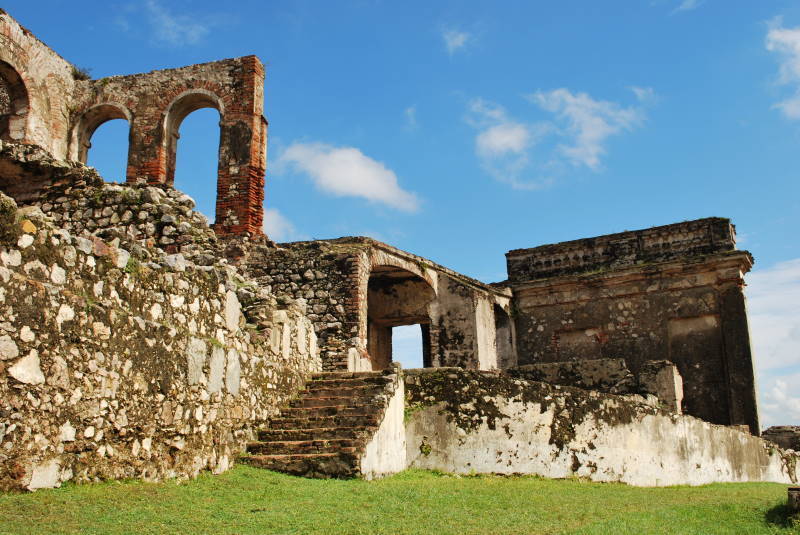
<point>247,500</point>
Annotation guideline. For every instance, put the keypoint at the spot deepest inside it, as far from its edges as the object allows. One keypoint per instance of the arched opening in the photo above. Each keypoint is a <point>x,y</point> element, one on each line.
<point>105,129</point>
<point>14,105</point>
<point>396,297</point>
<point>196,163</point>
<point>504,343</point>
<point>198,150</point>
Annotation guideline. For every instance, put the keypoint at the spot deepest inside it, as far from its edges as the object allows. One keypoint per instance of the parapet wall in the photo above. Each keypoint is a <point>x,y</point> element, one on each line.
<point>116,366</point>
<point>481,422</point>
<point>678,241</point>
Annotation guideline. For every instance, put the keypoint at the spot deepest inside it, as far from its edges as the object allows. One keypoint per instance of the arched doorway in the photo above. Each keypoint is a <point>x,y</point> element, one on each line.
<point>396,297</point>
<point>14,105</point>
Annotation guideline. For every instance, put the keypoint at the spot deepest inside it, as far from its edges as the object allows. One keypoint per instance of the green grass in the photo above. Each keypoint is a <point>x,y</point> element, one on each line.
<point>248,500</point>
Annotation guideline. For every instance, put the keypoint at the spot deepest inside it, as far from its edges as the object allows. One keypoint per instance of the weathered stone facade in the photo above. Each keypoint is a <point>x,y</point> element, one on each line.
<point>666,293</point>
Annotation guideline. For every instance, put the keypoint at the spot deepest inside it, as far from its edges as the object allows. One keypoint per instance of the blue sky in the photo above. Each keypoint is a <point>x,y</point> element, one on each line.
<point>460,130</point>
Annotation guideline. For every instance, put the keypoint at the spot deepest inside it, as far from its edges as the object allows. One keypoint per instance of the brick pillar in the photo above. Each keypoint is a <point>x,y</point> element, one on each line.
<point>242,158</point>
<point>146,152</point>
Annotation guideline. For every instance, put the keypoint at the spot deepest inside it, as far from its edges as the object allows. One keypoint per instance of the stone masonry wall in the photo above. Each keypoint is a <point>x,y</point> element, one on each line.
<point>466,421</point>
<point>114,366</point>
<point>325,278</point>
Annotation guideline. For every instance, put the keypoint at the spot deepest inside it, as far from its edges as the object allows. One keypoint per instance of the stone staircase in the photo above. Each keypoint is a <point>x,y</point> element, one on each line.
<point>325,430</point>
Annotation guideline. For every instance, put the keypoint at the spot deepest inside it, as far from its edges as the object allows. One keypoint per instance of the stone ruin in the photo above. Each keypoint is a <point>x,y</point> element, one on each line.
<point>137,340</point>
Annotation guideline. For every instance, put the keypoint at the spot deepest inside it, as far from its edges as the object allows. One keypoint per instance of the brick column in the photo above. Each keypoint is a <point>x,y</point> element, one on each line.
<point>242,157</point>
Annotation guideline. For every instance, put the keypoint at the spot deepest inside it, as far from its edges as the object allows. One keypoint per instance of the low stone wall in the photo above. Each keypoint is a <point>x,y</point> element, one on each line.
<point>785,436</point>
<point>470,421</point>
<point>113,366</point>
<point>605,375</point>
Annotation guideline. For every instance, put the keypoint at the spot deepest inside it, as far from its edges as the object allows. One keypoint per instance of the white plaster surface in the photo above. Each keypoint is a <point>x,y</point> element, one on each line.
<point>385,454</point>
<point>652,450</point>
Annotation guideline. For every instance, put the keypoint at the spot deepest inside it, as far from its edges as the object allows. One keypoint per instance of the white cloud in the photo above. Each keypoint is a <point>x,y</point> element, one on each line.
<point>411,117</point>
<point>588,122</point>
<point>502,144</point>
<point>688,5</point>
<point>346,171</point>
<point>455,40</point>
<point>506,146</point>
<point>786,43</point>
<point>175,30</point>
<point>277,227</point>
<point>644,94</point>
<point>772,297</point>
<point>502,139</point>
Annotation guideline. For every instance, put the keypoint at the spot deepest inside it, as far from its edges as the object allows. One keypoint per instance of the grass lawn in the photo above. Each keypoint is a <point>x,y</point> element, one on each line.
<point>248,500</point>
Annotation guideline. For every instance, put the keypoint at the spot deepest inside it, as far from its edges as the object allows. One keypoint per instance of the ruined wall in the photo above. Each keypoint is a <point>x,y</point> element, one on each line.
<point>116,366</point>
<point>156,103</point>
<point>333,277</point>
<point>667,293</point>
<point>46,101</point>
<point>480,422</point>
<point>40,85</point>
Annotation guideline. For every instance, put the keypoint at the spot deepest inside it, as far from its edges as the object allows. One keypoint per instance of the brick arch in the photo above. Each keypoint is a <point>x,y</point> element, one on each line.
<point>14,104</point>
<point>88,122</point>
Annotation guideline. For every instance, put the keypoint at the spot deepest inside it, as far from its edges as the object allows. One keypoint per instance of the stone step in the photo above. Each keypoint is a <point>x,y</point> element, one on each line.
<point>347,375</point>
<point>315,433</point>
<point>335,410</point>
<point>290,447</point>
<point>348,383</point>
<point>346,391</point>
<point>320,465</point>
<point>363,422</point>
<point>337,401</point>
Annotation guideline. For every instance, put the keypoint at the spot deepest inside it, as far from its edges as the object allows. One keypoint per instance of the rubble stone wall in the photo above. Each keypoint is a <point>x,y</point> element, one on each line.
<point>466,421</point>
<point>113,366</point>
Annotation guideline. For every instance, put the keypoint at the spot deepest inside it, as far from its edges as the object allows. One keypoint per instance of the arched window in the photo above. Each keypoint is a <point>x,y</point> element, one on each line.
<point>196,162</point>
<point>13,105</point>
<point>105,129</point>
<point>194,169</point>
